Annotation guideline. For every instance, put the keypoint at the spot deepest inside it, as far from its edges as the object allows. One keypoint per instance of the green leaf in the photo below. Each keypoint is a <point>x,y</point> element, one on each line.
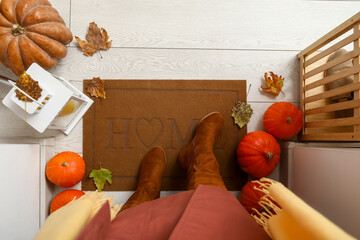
<point>100,177</point>
<point>241,113</point>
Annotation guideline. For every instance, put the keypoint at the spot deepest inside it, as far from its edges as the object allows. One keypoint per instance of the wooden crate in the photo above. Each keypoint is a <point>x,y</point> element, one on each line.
<point>317,100</point>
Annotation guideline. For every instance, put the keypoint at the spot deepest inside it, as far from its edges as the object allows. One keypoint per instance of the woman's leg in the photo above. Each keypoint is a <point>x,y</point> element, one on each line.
<point>198,157</point>
<point>150,178</point>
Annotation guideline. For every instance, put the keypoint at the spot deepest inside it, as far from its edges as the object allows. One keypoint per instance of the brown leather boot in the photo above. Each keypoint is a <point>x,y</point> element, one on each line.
<point>198,157</point>
<point>150,178</point>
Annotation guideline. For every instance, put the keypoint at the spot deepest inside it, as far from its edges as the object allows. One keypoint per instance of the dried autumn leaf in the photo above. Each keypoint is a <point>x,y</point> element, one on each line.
<point>29,86</point>
<point>96,39</point>
<point>96,88</point>
<point>241,113</point>
<point>100,177</point>
<point>274,83</point>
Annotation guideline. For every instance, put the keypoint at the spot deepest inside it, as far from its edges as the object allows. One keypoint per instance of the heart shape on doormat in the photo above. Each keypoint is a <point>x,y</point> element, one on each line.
<point>148,131</point>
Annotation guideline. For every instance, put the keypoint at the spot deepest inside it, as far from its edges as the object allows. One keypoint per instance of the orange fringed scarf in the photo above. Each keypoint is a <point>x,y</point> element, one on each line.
<point>291,218</point>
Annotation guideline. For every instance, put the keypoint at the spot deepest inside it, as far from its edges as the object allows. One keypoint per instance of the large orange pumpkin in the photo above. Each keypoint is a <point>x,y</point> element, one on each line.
<point>31,31</point>
<point>65,169</point>
<point>283,120</point>
<point>258,154</point>
<point>63,198</point>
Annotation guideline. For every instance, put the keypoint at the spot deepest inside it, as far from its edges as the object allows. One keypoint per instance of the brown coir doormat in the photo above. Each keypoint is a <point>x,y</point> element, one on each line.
<point>140,114</point>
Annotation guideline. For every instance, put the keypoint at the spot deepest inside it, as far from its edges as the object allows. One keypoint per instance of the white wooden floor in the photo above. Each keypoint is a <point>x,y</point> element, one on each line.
<point>176,39</point>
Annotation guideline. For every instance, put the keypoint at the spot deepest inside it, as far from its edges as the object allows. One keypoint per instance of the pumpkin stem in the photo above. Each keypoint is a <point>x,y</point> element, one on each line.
<point>17,30</point>
<point>288,120</point>
<point>64,164</point>
<point>269,156</point>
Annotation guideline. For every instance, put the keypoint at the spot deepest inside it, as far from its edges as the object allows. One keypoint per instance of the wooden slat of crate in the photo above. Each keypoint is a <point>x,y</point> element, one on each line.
<point>333,122</point>
<point>302,92</point>
<point>333,107</point>
<point>357,75</point>
<point>331,137</point>
<point>333,92</point>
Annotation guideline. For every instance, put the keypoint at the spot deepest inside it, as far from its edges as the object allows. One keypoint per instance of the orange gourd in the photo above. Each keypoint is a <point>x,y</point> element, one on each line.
<point>258,154</point>
<point>65,169</point>
<point>31,31</point>
<point>283,120</point>
<point>250,197</point>
<point>63,198</point>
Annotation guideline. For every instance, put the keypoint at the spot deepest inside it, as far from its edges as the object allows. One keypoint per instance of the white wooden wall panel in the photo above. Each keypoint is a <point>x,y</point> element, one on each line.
<point>211,24</point>
<point>63,7</point>
<point>187,64</point>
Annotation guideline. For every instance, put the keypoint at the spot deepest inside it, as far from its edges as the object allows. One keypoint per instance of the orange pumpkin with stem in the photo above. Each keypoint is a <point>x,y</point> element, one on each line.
<point>258,153</point>
<point>65,169</point>
<point>63,198</point>
<point>31,31</point>
<point>283,120</point>
<point>251,195</point>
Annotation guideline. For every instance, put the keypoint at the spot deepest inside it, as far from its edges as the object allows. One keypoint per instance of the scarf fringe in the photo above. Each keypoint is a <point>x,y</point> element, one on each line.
<point>99,199</point>
<point>267,202</point>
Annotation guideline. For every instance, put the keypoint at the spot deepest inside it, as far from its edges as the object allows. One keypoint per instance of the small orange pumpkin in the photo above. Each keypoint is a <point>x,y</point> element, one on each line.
<point>250,197</point>
<point>283,120</point>
<point>31,31</point>
<point>65,169</point>
<point>63,198</point>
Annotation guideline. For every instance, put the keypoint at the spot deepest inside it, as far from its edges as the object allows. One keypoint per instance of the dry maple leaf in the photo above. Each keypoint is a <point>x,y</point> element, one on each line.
<point>100,177</point>
<point>96,88</point>
<point>274,83</point>
<point>96,39</point>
